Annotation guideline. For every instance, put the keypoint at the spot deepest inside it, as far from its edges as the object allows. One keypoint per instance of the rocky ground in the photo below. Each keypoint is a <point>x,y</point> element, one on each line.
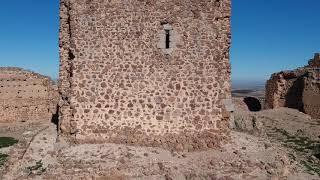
<point>273,144</point>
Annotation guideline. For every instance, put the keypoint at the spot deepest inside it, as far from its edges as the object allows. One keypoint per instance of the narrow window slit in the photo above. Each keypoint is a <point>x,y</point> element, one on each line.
<point>167,39</point>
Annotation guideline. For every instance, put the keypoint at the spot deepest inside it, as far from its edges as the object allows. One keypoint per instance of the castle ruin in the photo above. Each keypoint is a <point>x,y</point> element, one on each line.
<point>26,96</point>
<point>297,89</point>
<point>144,72</point>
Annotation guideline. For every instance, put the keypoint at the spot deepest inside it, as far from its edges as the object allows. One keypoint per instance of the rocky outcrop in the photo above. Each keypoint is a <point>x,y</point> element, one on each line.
<point>26,96</point>
<point>298,89</point>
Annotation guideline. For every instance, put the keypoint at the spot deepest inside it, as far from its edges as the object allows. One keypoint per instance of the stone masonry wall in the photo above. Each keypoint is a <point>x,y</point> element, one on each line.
<point>26,96</point>
<point>298,89</point>
<point>311,93</point>
<point>285,89</point>
<point>144,72</point>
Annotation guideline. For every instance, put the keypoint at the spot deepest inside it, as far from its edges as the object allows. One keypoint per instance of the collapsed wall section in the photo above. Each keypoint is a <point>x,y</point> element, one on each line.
<point>297,89</point>
<point>153,73</point>
<point>285,89</point>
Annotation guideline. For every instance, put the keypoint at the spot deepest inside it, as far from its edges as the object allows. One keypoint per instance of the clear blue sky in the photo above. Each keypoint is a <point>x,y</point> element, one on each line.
<point>273,35</point>
<point>268,35</point>
<point>29,35</point>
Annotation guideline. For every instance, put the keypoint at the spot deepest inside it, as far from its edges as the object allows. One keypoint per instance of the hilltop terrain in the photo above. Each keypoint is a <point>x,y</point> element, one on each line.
<point>276,144</point>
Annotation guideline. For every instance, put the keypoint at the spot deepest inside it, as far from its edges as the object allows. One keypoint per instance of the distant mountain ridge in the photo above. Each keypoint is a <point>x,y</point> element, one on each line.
<point>248,85</point>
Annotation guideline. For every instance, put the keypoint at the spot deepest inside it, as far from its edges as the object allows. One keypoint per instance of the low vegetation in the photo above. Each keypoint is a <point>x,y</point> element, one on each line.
<point>308,150</point>
<point>3,158</point>
<point>5,142</point>
<point>37,169</point>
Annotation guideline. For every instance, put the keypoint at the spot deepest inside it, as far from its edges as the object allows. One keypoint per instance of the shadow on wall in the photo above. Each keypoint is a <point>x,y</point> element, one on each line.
<point>293,98</point>
<point>55,117</point>
<point>253,104</point>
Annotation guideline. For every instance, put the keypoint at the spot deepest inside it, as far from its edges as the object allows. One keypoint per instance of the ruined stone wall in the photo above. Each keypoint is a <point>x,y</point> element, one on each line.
<point>25,96</point>
<point>121,82</point>
<point>285,89</point>
<point>311,94</point>
<point>295,89</point>
<point>315,62</point>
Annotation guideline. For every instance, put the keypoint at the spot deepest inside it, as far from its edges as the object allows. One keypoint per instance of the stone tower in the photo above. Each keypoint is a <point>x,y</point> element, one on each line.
<point>144,72</point>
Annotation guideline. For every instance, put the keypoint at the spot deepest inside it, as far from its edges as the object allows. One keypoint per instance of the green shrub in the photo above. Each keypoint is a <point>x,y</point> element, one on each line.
<point>7,141</point>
